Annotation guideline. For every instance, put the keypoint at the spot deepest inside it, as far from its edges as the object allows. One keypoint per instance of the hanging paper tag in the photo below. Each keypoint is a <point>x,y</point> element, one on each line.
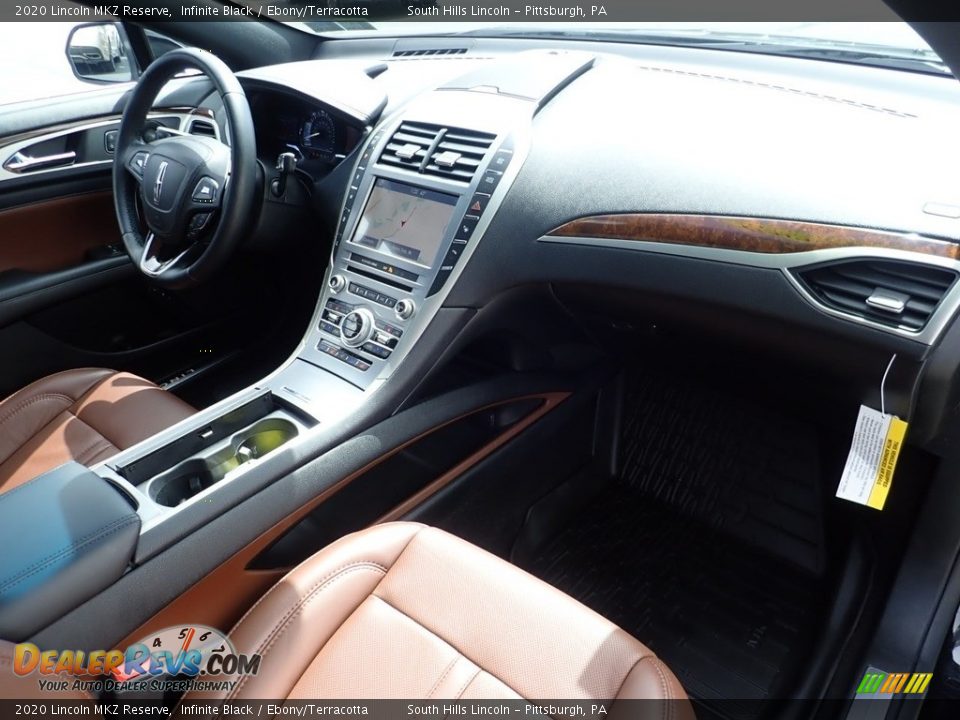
<point>877,440</point>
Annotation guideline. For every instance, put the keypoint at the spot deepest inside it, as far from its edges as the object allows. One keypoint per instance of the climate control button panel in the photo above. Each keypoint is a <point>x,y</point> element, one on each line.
<point>365,336</point>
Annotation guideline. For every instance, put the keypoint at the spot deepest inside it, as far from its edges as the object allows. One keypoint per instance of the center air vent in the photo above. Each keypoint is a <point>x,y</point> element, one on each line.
<point>896,294</point>
<point>451,153</point>
<point>203,127</point>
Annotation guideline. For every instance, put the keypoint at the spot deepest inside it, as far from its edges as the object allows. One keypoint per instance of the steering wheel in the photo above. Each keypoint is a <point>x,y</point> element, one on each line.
<point>196,192</point>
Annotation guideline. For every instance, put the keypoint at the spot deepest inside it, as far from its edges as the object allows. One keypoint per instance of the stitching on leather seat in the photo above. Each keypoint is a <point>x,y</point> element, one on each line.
<point>33,400</point>
<point>463,688</point>
<point>456,659</point>
<point>80,457</point>
<point>664,685</point>
<point>89,539</point>
<point>277,632</point>
<point>440,637</point>
<point>310,589</point>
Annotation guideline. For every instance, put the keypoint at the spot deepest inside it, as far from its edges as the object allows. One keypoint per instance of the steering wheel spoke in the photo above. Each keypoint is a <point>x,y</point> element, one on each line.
<point>152,262</point>
<point>196,193</point>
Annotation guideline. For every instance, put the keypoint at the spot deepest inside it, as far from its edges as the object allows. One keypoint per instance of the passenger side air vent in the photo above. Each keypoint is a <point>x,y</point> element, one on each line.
<point>433,150</point>
<point>203,127</point>
<point>896,294</point>
<point>409,145</point>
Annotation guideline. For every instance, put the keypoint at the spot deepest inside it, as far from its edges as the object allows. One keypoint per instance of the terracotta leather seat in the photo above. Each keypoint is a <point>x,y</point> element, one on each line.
<point>406,611</point>
<point>85,415</point>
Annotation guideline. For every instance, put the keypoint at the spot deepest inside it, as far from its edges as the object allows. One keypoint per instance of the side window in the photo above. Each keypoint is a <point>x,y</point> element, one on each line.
<point>41,60</point>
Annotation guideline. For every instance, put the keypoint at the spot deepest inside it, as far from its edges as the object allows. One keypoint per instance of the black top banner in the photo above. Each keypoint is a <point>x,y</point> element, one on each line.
<point>336,13</point>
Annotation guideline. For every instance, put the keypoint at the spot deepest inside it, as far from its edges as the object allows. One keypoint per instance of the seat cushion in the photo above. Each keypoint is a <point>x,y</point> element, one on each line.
<point>406,611</point>
<point>85,415</point>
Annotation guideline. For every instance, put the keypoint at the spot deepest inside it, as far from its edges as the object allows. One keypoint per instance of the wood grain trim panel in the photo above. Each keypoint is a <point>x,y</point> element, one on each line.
<point>223,595</point>
<point>747,234</point>
<point>56,234</point>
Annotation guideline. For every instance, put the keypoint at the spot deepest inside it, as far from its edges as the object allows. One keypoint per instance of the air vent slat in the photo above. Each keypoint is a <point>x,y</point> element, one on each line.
<point>846,286</point>
<point>409,145</point>
<point>458,153</point>
<point>474,151</point>
<point>931,290</point>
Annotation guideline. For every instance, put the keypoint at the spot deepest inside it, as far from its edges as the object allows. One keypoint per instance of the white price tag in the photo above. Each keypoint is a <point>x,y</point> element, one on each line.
<point>876,444</point>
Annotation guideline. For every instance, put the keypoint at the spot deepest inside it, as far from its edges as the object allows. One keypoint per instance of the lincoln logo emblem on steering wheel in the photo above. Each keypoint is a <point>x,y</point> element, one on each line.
<point>158,185</point>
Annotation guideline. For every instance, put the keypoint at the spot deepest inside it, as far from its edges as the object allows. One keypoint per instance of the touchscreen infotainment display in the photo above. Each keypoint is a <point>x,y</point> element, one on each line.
<point>405,221</point>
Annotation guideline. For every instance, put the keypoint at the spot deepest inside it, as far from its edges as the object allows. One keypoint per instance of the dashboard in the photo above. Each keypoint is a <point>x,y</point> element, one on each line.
<point>821,199</point>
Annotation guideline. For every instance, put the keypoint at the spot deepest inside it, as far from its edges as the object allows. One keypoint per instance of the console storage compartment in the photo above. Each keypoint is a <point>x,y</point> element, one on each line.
<point>197,474</point>
<point>194,462</point>
<point>67,535</point>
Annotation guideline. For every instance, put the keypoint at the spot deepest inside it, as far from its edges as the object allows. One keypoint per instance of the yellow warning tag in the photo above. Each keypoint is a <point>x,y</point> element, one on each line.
<point>877,440</point>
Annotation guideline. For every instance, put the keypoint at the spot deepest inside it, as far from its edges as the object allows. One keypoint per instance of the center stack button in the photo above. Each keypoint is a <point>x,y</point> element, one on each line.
<point>357,327</point>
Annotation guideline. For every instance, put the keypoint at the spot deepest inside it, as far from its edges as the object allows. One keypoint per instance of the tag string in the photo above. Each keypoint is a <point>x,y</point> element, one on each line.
<point>883,382</point>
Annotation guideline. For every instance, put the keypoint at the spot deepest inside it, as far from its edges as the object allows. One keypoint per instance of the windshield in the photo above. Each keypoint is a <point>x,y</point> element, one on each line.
<point>867,42</point>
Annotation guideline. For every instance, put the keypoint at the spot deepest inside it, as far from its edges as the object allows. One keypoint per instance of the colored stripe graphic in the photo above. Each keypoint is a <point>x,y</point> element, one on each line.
<point>870,683</point>
<point>893,683</point>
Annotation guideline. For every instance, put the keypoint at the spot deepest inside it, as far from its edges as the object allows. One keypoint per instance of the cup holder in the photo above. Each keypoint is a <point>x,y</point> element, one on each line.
<point>182,483</point>
<point>264,437</point>
<point>196,475</point>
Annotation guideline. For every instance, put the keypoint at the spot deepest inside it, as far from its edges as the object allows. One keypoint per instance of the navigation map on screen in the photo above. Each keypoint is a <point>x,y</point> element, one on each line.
<point>405,221</point>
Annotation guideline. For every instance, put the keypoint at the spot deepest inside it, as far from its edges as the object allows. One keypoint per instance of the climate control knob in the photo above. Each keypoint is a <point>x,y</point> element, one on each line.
<point>357,327</point>
<point>405,309</point>
<point>337,283</point>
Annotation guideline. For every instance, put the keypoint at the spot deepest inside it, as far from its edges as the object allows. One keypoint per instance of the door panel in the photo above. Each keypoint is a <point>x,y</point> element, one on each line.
<point>69,295</point>
<point>57,234</point>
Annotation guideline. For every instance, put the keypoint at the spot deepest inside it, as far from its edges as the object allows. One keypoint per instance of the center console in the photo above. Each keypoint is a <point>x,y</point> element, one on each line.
<point>415,209</point>
<point>422,193</point>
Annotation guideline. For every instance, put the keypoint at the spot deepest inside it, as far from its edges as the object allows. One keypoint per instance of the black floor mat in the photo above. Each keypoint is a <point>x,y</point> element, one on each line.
<point>735,465</point>
<point>708,547</point>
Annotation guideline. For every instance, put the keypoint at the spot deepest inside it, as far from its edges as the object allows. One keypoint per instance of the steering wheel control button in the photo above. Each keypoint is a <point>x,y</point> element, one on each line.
<point>405,309</point>
<point>467,226</point>
<point>206,190</point>
<point>197,224</point>
<point>357,327</point>
<point>139,162</point>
